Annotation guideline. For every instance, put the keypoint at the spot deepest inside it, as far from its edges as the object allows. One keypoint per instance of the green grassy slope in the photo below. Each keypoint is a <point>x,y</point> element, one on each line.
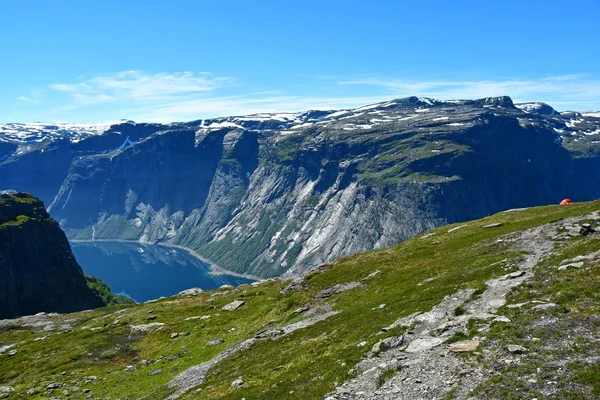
<point>308,363</point>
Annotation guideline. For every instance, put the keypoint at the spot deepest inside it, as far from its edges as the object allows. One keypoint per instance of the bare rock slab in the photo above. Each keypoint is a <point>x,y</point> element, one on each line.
<point>464,346</point>
<point>234,305</point>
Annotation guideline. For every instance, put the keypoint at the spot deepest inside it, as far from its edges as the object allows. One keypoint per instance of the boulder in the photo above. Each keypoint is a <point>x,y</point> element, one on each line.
<point>234,305</point>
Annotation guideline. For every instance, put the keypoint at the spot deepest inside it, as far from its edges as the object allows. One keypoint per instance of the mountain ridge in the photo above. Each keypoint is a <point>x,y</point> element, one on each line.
<point>272,194</point>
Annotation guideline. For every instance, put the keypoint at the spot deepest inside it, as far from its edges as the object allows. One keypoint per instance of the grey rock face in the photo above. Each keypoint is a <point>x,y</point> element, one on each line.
<point>278,194</point>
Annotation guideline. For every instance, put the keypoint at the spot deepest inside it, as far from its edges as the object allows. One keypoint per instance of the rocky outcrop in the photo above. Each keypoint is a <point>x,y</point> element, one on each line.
<point>274,194</point>
<point>38,272</point>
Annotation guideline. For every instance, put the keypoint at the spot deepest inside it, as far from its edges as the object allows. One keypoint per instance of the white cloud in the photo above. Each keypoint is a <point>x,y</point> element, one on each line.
<point>138,87</point>
<point>184,96</point>
<point>556,90</point>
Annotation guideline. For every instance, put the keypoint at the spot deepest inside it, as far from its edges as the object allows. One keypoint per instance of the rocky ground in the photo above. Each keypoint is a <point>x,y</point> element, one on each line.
<point>422,364</point>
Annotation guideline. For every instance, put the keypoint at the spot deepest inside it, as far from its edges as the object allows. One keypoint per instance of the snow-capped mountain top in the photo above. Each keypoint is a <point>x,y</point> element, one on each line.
<point>39,131</point>
<point>419,113</point>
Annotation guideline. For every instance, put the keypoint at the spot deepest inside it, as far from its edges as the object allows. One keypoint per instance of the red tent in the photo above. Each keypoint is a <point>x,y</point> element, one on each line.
<point>566,201</point>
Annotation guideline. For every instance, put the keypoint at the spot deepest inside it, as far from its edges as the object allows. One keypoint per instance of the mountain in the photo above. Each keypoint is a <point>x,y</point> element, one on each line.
<point>273,194</point>
<point>38,271</point>
<point>504,307</point>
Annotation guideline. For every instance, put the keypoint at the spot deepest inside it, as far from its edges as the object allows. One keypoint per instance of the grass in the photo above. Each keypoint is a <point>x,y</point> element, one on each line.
<point>305,364</point>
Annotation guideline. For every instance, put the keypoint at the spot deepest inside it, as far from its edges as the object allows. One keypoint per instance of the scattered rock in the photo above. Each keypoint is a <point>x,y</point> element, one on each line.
<point>388,343</point>
<point>296,284</point>
<point>571,265</point>
<point>464,346</point>
<point>184,334</point>
<point>496,225</point>
<point>239,382</point>
<point>501,318</point>
<point>32,391</point>
<point>197,317</point>
<point>152,318</point>
<point>516,349</point>
<point>586,229</point>
<point>362,344</point>
<point>514,275</point>
<point>371,275</point>
<point>54,386</point>
<point>234,305</point>
<point>6,389</point>
<point>301,310</point>
<point>191,292</point>
<point>146,327</point>
<point>456,228</point>
<point>155,372</point>
<point>545,307</point>
<point>339,288</point>
<point>226,287</point>
<point>12,352</point>
<point>269,333</point>
<point>215,342</point>
<point>423,344</point>
<point>174,335</point>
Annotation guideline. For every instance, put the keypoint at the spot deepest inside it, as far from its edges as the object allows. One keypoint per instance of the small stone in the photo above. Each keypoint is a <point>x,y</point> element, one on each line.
<point>12,353</point>
<point>301,310</point>
<point>174,335</point>
<point>86,390</point>
<point>6,389</point>
<point>152,318</point>
<point>184,334</point>
<point>362,344</point>
<point>239,382</point>
<point>4,395</point>
<point>501,318</point>
<point>464,372</point>
<point>234,305</point>
<point>66,392</point>
<point>215,342</point>
<point>155,372</point>
<point>516,349</point>
<point>226,287</point>
<point>32,391</point>
<point>54,386</point>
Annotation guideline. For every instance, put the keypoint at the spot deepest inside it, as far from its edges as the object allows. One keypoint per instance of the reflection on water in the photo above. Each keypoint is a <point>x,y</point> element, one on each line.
<point>145,272</point>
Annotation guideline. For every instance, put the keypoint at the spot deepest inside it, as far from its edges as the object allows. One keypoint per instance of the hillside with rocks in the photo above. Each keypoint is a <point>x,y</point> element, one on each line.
<point>38,272</point>
<point>277,194</point>
<point>503,307</point>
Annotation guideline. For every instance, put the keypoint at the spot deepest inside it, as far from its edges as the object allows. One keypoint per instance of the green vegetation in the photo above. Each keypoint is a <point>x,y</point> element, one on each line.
<point>102,291</point>
<point>307,363</point>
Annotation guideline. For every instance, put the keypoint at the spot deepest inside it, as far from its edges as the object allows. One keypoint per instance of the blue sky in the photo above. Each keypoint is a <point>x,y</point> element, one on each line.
<point>84,61</point>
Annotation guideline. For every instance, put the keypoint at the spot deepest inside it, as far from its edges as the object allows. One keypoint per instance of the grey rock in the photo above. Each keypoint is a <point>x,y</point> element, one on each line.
<point>545,307</point>
<point>239,382</point>
<point>234,305</point>
<point>155,372</point>
<point>516,349</point>
<point>339,288</point>
<point>6,389</point>
<point>215,342</point>
<point>55,385</point>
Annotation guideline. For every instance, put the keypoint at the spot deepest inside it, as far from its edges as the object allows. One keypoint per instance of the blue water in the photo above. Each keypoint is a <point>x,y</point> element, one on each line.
<point>145,272</point>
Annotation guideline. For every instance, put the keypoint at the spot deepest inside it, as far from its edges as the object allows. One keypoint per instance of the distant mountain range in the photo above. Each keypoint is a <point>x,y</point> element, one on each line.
<point>273,194</point>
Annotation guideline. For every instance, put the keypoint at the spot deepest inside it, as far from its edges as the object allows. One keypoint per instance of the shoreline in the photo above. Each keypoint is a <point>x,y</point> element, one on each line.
<point>214,268</point>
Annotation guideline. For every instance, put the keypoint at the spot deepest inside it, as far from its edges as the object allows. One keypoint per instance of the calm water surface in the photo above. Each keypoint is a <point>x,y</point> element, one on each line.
<point>145,272</point>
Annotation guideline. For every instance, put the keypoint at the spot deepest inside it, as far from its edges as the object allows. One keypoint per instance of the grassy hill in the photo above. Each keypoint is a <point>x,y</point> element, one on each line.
<point>353,321</point>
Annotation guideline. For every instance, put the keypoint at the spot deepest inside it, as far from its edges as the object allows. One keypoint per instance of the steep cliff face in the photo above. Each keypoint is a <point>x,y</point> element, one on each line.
<point>272,194</point>
<point>37,269</point>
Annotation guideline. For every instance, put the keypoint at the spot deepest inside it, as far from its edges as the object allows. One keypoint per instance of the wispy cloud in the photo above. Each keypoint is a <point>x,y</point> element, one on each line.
<point>167,97</point>
<point>556,90</point>
<point>138,87</point>
<point>34,96</point>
